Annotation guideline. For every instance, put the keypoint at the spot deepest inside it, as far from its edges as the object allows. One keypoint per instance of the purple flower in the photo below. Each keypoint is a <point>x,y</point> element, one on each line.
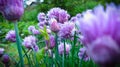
<point>5,59</point>
<point>12,9</point>
<point>30,28</point>
<point>30,42</point>
<point>33,30</point>
<point>82,54</point>
<point>101,34</point>
<point>41,17</point>
<point>1,51</point>
<point>11,36</point>
<point>54,25</point>
<point>59,14</point>
<point>66,30</point>
<point>61,48</point>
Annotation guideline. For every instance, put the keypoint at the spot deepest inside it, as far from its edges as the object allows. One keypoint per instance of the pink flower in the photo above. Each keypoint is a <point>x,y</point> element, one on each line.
<point>54,25</point>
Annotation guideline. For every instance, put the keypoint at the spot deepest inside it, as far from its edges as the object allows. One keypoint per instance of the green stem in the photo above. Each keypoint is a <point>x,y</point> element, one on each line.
<point>56,48</point>
<point>36,61</point>
<point>64,55</point>
<point>18,44</point>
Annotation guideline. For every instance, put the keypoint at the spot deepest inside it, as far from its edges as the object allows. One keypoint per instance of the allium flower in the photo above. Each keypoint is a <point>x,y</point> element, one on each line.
<point>30,42</point>
<point>41,17</point>
<point>11,36</point>
<point>66,30</point>
<point>82,54</point>
<point>1,51</point>
<point>30,28</point>
<point>5,59</point>
<point>101,34</point>
<point>33,30</point>
<point>54,25</point>
<point>59,14</point>
<point>61,48</point>
<point>12,9</point>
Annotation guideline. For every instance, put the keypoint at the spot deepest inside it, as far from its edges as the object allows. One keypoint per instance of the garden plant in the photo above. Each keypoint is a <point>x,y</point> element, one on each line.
<point>91,38</point>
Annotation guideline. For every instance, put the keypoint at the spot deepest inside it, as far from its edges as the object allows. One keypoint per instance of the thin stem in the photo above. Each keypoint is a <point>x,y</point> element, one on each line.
<point>36,61</point>
<point>18,44</point>
<point>56,48</point>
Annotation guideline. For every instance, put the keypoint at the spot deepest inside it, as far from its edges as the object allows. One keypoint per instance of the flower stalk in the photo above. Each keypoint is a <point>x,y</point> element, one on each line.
<point>19,47</point>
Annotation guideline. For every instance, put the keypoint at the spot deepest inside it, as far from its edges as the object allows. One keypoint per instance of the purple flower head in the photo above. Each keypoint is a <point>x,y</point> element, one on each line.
<point>61,48</point>
<point>54,25</point>
<point>78,15</point>
<point>29,42</point>
<point>30,28</point>
<point>33,30</point>
<point>5,59</point>
<point>1,51</point>
<point>73,19</point>
<point>12,9</point>
<point>11,36</point>
<point>63,16</point>
<point>41,17</point>
<point>59,14</point>
<point>82,54</point>
<point>101,34</point>
<point>66,30</point>
<point>52,41</point>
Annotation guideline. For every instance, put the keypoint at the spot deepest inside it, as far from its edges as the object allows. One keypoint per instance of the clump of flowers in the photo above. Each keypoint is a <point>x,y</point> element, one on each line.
<point>30,43</point>
<point>61,48</point>
<point>59,14</point>
<point>66,30</point>
<point>11,36</point>
<point>101,34</point>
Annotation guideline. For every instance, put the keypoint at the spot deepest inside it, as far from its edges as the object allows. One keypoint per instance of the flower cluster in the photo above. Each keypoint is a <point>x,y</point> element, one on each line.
<point>30,43</point>
<point>59,14</point>
<point>11,36</point>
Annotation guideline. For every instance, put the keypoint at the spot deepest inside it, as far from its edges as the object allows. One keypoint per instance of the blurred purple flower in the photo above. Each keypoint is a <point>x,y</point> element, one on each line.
<point>83,55</point>
<point>101,34</point>
<point>5,59</point>
<point>66,30</point>
<point>30,28</point>
<point>59,14</point>
<point>11,36</point>
<point>54,25</point>
<point>61,48</point>
<point>12,9</point>
<point>41,17</point>
<point>30,42</point>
